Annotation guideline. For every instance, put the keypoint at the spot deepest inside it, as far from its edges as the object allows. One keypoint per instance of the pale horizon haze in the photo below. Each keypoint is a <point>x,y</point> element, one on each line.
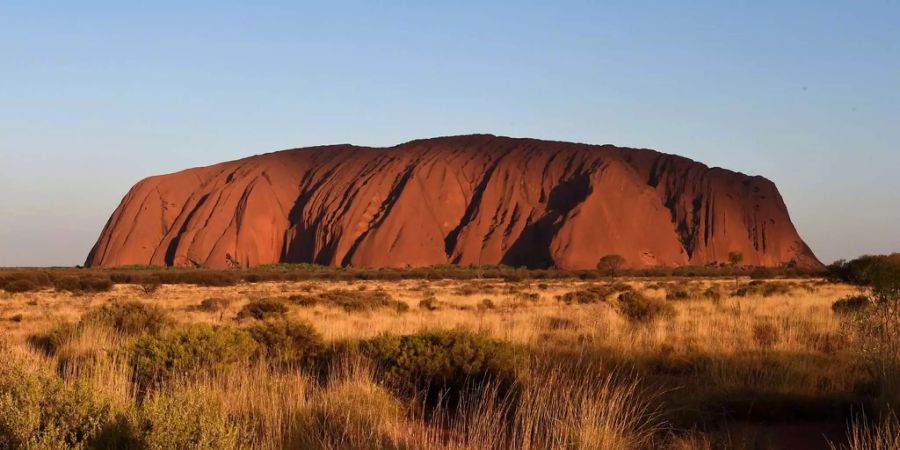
<point>96,95</point>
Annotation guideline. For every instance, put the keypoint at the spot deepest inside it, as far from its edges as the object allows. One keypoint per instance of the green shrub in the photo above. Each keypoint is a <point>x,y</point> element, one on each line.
<point>677,293</point>
<point>772,289</point>
<point>17,281</point>
<point>263,309</point>
<point>306,301</point>
<point>150,287</point>
<point>748,290</point>
<point>758,288</point>
<point>611,264</point>
<point>287,342</point>
<point>638,308</point>
<point>850,304</point>
<point>486,304</point>
<point>735,258</point>
<point>441,362</point>
<point>357,301</point>
<point>876,336</point>
<point>468,290</point>
<point>156,358</point>
<point>129,317</point>
<point>514,277</point>
<point>83,284</point>
<point>185,420</point>
<point>19,286</point>
<point>350,301</point>
<point>351,414</point>
<point>593,294</point>
<point>871,270</point>
<point>429,303</point>
<point>38,410</point>
<point>713,293</point>
<point>762,273</point>
<point>205,278</point>
<point>214,304</point>
<point>199,277</point>
<point>50,342</point>
<point>71,284</point>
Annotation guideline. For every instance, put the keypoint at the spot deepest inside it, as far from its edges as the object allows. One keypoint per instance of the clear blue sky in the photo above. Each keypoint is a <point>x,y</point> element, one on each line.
<point>96,95</point>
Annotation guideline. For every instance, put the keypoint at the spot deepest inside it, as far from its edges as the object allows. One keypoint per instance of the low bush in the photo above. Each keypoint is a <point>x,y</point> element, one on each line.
<point>610,265</point>
<point>39,411</point>
<point>214,304</point>
<point>150,287</point>
<point>205,278</point>
<point>677,293</point>
<point>199,277</point>
<point>513,277</point>
<point>304,300</point>
<point>150,276</point>
<point>759,288</point>
<point>593,294</point>
<point>129,317</point>
<point>638,308</point>
<point>156,358</point>
<point>350,301</point>
<point>83,284</point>
<point>713,293</point>
<point>351,414</point>
<point>468,290</point>
<point>869,270</point>
<point>762,273</point>
<point>876,337</point>
<point>186,419</point>
<point>486,304</point>
<point>52,340</point>
<point>18,281</point>
<point>772,289</point>
<point>286,342</point>
<point>20,286</point>
<point>430,303</point>
<point>263,309</point>
<point>850,304</point>
<point>437,363</point>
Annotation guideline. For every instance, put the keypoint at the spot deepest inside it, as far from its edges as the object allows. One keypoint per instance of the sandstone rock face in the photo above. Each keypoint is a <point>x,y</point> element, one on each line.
<point>475,199</point>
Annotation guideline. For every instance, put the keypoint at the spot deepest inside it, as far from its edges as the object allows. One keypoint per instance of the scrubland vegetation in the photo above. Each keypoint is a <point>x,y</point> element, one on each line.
<point>521,360</point>
<point>151,277</point>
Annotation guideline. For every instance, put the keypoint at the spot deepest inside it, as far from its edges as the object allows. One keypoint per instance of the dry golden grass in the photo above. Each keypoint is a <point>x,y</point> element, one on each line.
<point>595,379</point>
<point>865,435</point>
<point>699,325</point>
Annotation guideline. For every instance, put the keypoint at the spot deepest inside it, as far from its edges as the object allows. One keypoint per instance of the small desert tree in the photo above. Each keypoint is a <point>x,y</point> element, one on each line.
<point>875,329</point>
<point>735,258</point>
<point>611,264</point>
